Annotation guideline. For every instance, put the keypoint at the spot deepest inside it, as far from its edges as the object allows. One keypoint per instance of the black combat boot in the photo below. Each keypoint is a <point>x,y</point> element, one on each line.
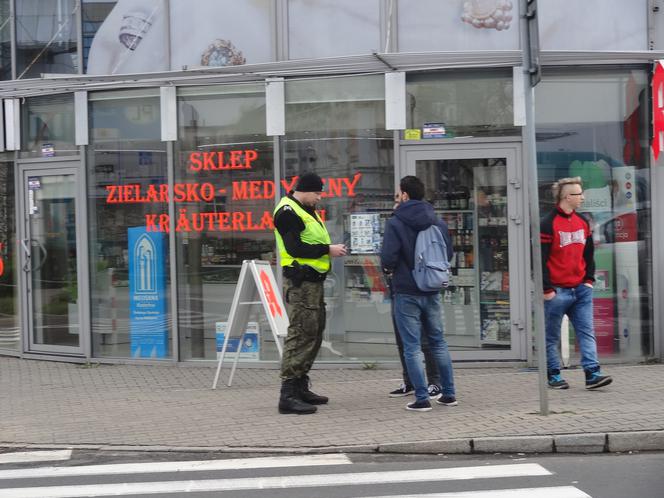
<point>308,396</point>
<point>290,402</point>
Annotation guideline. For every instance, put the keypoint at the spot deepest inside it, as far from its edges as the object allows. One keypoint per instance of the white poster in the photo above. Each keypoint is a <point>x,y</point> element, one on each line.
<point>365,237</point>
<point>329,28</point>
<point>458,25</point>
<point>593,24</point>
<point>141,36</point>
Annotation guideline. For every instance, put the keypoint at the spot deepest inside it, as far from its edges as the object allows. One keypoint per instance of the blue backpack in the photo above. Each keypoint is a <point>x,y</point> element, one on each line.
<point>431,268</point>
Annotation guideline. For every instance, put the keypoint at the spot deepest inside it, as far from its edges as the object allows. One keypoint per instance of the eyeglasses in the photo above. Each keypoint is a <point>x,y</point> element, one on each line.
<point>580,193</point>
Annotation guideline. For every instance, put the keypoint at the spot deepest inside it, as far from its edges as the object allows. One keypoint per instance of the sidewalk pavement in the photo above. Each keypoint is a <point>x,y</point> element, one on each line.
<point>173,408</point>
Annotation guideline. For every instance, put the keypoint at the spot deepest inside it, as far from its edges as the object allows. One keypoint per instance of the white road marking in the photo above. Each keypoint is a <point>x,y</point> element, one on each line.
<point>35,456</point>
<point>547,492</point>
<point>279,482</point>
<point>193,466</point>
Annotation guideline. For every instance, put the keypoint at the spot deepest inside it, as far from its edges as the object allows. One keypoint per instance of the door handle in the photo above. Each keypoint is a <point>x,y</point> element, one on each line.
<point>44,253</point>
<point>28,254</point>
<point>27,248</point>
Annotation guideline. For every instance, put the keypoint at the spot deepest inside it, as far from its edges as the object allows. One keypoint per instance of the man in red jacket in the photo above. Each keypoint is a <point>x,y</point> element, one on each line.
<point>568,270</point>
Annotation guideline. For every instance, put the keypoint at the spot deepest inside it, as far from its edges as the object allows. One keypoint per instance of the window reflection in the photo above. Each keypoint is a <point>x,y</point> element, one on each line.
<point>45,37</point>
<point>5,41</point>
<point>581,132</point>
<point>9,319</point>
<point>128,274</point>
<point>476,104</point>
<point>224,150</point>
<point>340,135</point>
<point>48,126</point>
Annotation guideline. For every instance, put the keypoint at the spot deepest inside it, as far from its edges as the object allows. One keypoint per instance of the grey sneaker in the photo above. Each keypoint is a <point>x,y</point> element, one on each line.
<point>402,391</point>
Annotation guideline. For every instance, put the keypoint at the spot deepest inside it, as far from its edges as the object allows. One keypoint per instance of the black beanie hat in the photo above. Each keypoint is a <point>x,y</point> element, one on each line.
<point>309,182</point>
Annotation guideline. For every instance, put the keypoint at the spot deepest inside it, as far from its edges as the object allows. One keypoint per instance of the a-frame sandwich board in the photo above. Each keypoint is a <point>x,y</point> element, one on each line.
<point>256,285</point>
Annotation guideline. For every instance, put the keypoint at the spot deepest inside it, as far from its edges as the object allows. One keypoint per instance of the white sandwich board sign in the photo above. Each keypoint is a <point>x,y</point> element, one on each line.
<point>256,286</point>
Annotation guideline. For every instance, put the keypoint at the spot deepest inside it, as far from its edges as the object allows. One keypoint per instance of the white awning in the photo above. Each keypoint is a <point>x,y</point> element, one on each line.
<point>357,64</point>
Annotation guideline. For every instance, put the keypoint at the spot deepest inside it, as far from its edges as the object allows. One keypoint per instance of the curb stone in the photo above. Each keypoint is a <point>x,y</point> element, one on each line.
<point>561,443</point>
<point>462,446</point>
<point>580,443</point>
<point>517,444</point>
<point>636,441</point>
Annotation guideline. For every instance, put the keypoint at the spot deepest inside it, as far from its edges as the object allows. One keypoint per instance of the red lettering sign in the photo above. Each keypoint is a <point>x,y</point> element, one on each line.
<point>222,160</point>
<point>658,110</point>
<point>270,295</point>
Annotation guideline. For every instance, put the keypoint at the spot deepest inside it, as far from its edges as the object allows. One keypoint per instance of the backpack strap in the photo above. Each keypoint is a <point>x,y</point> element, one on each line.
<point>400,233</point>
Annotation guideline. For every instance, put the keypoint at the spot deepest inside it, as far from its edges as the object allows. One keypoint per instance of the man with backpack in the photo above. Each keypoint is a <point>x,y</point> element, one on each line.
<point>416,251</point>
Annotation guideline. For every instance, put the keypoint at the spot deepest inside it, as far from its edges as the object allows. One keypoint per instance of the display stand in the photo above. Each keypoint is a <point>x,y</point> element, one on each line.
<point>256,285</point>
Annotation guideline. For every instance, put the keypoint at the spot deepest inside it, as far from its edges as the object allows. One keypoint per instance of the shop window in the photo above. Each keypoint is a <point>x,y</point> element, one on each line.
<point>224,165</point>
<point>335,127</point>
<point>328,28</point>
<point>461,104</point>
<point>45,37</point>
<point>127,204</point>
<point>10,330</point>
<point>435,26</point>
<point>605,25</point>
<point>5,41</point>
<point>48,126</point>
<point>594,124</point>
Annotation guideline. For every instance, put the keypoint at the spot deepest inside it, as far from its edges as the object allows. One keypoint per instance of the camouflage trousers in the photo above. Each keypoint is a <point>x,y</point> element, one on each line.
<point>306,311</point>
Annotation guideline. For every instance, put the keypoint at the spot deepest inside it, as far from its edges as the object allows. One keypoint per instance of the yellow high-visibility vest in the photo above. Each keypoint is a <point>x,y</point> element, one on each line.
<point>314,233</point>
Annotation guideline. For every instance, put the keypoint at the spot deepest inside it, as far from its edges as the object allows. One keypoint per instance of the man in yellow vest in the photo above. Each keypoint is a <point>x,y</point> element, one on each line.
<point>305,250</point>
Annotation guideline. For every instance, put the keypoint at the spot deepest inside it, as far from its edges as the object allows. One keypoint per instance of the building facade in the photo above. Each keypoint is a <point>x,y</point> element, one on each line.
<point>146,143</point>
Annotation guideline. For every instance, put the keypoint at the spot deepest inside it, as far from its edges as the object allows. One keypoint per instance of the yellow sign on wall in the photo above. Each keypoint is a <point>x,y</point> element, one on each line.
<point>412,134</point>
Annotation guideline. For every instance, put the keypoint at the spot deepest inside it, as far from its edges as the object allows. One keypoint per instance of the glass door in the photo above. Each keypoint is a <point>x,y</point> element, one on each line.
<point>476,192</point>
<point>50,258</point>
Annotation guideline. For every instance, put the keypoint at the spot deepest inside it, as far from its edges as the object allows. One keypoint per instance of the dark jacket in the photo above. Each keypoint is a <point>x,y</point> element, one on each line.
<point>398,250</point>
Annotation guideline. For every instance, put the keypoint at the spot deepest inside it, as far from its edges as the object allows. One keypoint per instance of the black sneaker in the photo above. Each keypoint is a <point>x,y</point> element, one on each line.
<point>447,401</point>
<point>419,406</point>
<point>595,379</point>
<point>403,390</point>
<point>434,392</point>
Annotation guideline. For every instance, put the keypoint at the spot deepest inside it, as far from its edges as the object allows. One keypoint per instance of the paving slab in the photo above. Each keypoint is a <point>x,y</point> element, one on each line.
<point>52,404</point>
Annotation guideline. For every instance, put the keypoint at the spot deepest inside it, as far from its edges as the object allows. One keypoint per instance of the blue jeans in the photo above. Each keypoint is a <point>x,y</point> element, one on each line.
<point>418,316</point>
<point>577,304</point>
<point>433,377</point>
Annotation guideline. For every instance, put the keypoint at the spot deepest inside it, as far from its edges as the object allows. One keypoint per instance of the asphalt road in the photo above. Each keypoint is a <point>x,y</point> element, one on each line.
<point>104,473</point>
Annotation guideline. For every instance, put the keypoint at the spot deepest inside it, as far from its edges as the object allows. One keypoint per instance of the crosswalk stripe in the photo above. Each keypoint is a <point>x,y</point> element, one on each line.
<point>283,482</point>
<point>35,456</point>
<point>192,466</point>
<point>545,492</point>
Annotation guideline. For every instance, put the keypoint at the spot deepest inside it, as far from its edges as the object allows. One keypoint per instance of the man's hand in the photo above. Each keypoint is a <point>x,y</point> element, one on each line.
<point>548,296</point>
<point>588,285</point>
<point>337,250</point>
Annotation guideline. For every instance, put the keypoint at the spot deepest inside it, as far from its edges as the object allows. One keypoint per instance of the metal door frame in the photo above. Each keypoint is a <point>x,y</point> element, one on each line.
<point>61,166</point>
<point>519,255</point>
